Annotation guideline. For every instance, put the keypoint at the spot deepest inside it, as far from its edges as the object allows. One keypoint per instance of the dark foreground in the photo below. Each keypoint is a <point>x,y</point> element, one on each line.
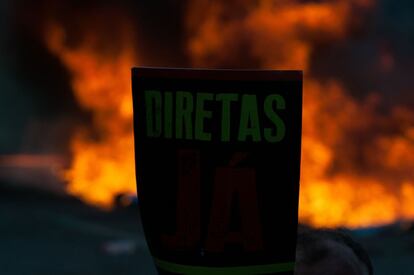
<point>43,234</point>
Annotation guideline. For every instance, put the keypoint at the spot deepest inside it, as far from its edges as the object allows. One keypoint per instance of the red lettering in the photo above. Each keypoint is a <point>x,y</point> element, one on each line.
<point>188,228</point>
<point>230,182</point>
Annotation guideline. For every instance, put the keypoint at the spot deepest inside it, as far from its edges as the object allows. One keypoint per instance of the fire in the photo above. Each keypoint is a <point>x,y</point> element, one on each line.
<point>357,164</point>
<point>357,161</point>
<point>103,162</point>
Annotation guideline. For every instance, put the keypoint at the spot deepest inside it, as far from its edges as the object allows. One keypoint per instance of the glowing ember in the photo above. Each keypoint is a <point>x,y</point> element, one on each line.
<point>357,163</point>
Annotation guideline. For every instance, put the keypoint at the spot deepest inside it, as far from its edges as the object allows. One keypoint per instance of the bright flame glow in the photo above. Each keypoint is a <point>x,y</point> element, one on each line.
<point>103,166</point>
<point>357,164</point>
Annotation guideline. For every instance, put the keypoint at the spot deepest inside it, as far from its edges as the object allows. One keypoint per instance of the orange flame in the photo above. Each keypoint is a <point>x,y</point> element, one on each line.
<point>357,165</point>
<point>102,166</point>
<point>344,181</point>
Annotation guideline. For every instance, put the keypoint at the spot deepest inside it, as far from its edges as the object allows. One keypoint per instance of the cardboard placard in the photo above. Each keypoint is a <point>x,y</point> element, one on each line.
<point>218,164</point>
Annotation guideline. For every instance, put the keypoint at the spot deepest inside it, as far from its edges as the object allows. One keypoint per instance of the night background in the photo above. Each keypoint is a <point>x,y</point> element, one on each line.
<point>67,180</point>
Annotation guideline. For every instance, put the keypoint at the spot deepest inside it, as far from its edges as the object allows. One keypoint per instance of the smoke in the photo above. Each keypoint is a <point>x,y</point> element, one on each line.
<point>38,84</point>
<point>377,57</point>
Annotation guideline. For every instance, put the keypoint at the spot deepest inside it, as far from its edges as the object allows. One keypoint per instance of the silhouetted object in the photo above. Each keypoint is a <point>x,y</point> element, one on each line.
<point>217,159</point>
<point>330,252</point>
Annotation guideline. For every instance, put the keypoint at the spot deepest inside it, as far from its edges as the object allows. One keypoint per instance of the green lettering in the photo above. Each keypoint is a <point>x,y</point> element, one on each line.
<point>183,114</point>
<point>168,115</point>
<point>226,100</point>
<point>277,134</point>
<point>153,109</point>
<point>201,115</point>
<point>249,119</point>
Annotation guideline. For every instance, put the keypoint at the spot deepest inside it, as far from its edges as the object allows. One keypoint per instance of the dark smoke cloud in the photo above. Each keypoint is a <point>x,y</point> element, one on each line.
<point>36,85</point>
<point>378,57</point>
